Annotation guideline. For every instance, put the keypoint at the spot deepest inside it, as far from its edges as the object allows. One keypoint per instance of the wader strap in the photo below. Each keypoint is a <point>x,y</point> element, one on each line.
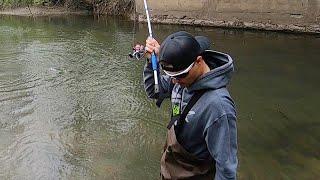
<point>190,104</point>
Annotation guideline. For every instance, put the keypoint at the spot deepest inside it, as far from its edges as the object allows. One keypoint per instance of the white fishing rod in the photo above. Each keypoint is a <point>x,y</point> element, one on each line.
<point>153,55</point>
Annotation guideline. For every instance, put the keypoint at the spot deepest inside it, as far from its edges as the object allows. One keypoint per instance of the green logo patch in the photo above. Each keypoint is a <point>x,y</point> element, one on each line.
<point>175,110</point>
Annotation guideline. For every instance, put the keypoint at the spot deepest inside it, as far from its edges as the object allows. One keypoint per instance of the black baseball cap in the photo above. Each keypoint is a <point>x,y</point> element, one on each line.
<point>204,42</point>
<point>179,51</point>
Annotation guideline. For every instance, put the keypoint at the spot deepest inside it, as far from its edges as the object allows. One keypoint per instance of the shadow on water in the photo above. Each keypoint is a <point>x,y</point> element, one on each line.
<point>72,104</point>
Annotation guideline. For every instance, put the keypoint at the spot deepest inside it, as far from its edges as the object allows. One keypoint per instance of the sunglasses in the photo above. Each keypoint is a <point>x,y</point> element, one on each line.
<point>181,76</point>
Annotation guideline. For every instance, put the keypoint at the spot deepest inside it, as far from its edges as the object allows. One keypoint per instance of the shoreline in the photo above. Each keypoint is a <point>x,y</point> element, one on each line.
<point>268,27</point>
<point>36,11</point>
<point>42,11</point>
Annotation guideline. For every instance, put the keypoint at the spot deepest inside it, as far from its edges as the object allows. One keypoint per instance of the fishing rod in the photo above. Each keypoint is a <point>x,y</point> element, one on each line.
<point>153,55</point>
<point>138,53</point>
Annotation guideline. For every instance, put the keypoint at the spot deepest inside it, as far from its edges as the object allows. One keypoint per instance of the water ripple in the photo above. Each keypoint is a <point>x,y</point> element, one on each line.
<point>68,97</point>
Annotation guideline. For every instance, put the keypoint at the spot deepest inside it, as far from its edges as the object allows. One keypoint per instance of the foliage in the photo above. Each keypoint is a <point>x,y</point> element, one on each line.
<point>78,4</point>
<point>109,7</point>
<point>114,7</point>
<point>17,3</point>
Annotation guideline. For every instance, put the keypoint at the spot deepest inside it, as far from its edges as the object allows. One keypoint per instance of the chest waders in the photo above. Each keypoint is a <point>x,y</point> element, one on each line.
<point>176,162</point>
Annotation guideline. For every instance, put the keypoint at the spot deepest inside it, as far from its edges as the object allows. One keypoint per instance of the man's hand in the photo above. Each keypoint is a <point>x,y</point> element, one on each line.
<point>152,46</point>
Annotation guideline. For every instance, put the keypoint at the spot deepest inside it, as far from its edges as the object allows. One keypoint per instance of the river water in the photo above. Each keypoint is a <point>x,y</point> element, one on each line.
<point>72,104</point>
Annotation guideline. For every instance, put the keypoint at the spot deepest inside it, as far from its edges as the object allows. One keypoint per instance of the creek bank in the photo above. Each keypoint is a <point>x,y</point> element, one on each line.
<point>96,7</point>
<point>42,11</point>
<point>302,23</point>
<point>269,26</point>
<point>292,16</point>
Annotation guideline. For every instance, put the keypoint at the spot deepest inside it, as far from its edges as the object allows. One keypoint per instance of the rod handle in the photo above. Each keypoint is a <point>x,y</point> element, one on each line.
<point>155,72</point>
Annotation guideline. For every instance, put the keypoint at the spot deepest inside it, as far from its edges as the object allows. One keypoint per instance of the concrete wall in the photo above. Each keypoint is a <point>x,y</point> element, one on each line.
<point>288,15</point>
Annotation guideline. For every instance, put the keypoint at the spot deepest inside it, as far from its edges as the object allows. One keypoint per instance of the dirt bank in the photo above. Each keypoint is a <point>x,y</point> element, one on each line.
<point>112,7</point>
<point>41,11</point>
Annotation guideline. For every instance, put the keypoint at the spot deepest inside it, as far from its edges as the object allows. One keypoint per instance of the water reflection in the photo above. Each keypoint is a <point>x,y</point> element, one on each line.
<point>72,104</point>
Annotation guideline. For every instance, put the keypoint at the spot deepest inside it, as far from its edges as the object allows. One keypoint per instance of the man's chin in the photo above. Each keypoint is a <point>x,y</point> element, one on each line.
<point>183,84</point>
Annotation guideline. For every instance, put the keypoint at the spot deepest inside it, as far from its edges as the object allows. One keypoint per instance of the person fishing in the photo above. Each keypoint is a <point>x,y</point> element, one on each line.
<point>202,133</point>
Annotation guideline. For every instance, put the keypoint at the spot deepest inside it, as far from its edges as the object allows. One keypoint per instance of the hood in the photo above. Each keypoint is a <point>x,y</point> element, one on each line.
<point>221,66</point>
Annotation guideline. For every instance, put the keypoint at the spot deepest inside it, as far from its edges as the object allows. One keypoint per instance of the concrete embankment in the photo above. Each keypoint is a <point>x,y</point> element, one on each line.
<point>277,15</point>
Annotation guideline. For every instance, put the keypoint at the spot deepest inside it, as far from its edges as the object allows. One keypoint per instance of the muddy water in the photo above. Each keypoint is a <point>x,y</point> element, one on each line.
<point>72,105</point>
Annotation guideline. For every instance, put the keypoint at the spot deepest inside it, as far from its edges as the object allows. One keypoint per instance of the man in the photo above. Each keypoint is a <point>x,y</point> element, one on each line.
<point>202,134</point>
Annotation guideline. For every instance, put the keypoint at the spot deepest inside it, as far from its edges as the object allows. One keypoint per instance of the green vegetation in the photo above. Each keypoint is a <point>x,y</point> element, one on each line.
<point>113,7</point>
<point>110,7</point>
<point>74,4</point>
<point>18,3</point>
